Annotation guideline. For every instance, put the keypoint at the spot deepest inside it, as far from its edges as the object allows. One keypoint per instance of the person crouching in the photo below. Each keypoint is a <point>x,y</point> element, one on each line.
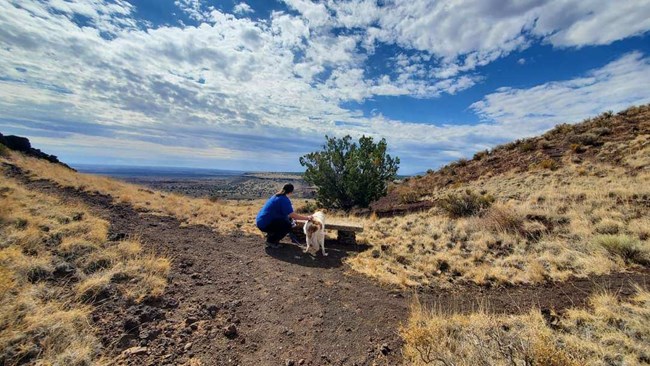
<point>275,218</point>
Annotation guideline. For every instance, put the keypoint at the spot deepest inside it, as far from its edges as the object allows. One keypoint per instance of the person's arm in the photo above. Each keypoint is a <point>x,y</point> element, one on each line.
<point>287,207</point>
<point>297,216</point>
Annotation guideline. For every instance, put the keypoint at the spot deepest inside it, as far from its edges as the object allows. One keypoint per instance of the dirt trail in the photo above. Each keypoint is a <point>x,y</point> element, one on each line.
<point>286,306</point>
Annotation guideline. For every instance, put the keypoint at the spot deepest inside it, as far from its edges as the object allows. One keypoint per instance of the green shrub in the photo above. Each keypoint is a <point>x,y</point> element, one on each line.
<point>465,204</point>
<point>409,197</point>
<point>561,129</point>
<point>602,131</point>
<point>350,174</point>
<point>586,139</point>
<point>480,155</point>
<point>544,144</point>
<point>630,249</point>
<point>527,146</point>
<point>307,207</point>
<point>608,226</point>
<point>549,164</point>
<point>577,148</point>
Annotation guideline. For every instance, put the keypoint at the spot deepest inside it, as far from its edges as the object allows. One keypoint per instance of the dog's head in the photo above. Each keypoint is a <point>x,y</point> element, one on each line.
<point>314,226</point>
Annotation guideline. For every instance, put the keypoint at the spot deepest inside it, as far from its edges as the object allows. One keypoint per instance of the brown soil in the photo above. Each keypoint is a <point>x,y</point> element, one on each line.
<point>286,306</point>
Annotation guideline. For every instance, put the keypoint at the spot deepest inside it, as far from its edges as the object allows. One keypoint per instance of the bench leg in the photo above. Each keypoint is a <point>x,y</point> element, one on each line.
<point>347,237</point>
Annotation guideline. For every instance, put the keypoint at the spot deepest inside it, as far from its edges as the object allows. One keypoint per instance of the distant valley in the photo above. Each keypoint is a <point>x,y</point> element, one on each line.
<point>201,182</point>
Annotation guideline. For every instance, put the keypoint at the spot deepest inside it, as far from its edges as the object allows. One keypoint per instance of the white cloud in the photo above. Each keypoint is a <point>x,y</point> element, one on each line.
<point>464,34</point>
<point>242,8</point>
<point>615,86</point>
<point>582,23</point>
<point>194,9</point>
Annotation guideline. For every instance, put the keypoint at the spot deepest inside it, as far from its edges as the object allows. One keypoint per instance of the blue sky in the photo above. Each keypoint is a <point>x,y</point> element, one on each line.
<point>253,85</point>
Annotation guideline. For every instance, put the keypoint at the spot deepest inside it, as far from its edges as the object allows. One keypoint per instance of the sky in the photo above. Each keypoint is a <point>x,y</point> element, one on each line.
<point>254,85</point>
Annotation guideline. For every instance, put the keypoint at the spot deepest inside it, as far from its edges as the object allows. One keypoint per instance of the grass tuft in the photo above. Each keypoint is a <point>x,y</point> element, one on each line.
<point>465,204</point>
<point>624,246</point>
<point>611,331</point>
<point>47,322</point>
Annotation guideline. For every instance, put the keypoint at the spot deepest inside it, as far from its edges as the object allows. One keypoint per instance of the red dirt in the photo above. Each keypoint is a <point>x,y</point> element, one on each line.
<point>286,306</point>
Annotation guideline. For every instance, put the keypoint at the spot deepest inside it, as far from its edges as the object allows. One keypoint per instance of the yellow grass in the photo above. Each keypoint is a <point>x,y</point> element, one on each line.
<point>541,227</point>
<point>609,332</point>
<point>48,322</point>
<point>224,216</point>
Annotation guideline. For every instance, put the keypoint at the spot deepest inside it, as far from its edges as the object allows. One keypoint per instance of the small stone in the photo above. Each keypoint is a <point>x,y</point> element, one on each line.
<point>301,361</point>
<point>187,346</point>
<point>384,349</point>
<point>131,324</point>
<point>64,269</point>
<point>212,308</point>
<point>134,351</point>
<point>116,236</point>
<point>375,254</point>
<point>290,363</point>
<point>191,320</point>
<point>230,331</point>
<point>172,303</point>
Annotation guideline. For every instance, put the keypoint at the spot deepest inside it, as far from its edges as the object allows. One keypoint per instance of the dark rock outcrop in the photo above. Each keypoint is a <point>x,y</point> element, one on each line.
<point>22,144</point>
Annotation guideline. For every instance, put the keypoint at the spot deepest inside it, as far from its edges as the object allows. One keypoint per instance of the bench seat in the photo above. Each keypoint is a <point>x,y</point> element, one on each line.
<point>346,232</point>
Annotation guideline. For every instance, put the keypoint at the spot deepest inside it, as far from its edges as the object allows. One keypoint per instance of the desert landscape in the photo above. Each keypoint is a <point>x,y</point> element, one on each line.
<point>207,183</point>
<point>544,261</point>
<point>324,183</point>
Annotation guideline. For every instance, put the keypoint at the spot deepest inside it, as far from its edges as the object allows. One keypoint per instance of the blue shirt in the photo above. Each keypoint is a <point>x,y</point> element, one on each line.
<point>277,207</point>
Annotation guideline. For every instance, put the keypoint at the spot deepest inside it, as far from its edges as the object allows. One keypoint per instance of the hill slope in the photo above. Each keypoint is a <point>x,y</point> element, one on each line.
<point>573,202</point>
<point>613,139</point>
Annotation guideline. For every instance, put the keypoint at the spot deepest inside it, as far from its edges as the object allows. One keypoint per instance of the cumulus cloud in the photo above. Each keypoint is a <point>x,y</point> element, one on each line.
<point>242,8</point>
<point>193,8</point>
<point>615,86</point>
<point>465,34</point>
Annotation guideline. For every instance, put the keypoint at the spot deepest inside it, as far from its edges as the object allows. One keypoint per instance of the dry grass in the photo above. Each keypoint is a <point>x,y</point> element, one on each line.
<point>610,332</point>
<point>512,228</point>
<point>542,226</point>
<point>224,216</point>
<point>44,316</point>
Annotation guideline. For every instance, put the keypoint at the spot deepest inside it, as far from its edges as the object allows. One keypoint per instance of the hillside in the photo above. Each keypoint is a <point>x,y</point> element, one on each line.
<point>23,145</point>
<point>572,202</point>
<point>99,271</point>
<point>617,140</point>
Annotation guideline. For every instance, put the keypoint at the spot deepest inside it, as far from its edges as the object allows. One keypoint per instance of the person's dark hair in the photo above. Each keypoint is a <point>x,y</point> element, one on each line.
<point>287,188</point>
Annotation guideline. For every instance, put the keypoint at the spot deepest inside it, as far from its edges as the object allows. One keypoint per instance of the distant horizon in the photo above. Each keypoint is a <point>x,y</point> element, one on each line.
<point>77,166</point>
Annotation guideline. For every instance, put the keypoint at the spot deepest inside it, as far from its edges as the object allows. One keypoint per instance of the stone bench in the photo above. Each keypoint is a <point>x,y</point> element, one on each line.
<point>346,232</point>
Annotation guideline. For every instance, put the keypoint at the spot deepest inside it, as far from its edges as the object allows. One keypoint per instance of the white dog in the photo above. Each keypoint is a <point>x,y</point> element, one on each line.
<point>315,232</point>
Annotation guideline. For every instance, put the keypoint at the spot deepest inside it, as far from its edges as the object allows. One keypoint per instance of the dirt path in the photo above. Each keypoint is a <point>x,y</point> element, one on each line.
<point>287,308</point>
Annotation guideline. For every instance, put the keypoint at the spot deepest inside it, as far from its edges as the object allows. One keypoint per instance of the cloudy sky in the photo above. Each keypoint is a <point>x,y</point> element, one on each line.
<point>253,85</point>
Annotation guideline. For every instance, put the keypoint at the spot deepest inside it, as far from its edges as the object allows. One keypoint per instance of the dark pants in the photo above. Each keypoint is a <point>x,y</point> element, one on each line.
<point>276,230</point>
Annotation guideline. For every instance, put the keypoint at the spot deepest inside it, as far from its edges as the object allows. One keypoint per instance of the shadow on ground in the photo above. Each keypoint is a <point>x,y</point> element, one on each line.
<point>336,253</point>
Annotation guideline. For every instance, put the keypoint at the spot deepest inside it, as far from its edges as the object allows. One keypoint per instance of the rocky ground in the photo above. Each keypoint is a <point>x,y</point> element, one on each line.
<point>230,302</point>
<point>245,186</point>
